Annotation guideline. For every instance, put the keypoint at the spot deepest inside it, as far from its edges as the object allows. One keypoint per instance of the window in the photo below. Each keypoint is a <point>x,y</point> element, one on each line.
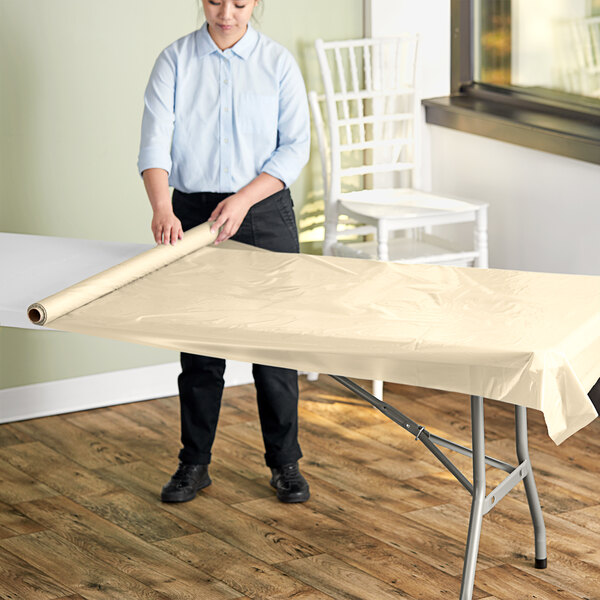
<point>526,72</point>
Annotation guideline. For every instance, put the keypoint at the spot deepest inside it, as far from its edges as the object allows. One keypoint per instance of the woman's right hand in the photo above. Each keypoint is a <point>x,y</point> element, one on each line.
<point>166,227</point>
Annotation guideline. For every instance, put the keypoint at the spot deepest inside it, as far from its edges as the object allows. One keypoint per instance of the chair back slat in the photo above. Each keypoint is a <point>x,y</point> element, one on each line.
<point>344,90</point>
<point>367,67</point>
<point>314,102</point>
<point>356,89</point>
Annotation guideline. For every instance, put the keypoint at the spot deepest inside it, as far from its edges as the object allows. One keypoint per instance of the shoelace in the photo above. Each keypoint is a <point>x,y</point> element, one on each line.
<point>183,472</point>
<point>291,474</point>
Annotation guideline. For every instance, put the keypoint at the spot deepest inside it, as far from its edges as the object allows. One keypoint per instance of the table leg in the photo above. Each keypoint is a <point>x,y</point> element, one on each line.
<point>481,504</point>
<point>477,426</point>
<point>533,500</point>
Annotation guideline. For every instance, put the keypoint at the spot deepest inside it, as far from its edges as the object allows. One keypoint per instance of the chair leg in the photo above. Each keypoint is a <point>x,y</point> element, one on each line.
<point>378,389</point>
<point>481,238</point>
<point>476,519</point>
<point>382,241</point>
<point>539,528</point>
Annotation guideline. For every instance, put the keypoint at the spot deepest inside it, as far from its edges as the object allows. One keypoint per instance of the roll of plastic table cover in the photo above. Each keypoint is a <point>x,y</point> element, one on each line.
<point>531,339</point>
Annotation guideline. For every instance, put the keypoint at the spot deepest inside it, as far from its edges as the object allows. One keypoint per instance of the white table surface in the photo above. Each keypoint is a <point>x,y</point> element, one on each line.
<point>33,267</point>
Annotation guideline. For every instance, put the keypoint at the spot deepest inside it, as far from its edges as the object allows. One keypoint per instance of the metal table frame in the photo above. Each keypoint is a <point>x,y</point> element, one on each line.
<point>481,503</point>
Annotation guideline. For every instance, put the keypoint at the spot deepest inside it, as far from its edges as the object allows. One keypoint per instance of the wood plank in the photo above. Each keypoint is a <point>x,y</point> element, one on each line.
<point>340,580</point>
<point>586,517</point>
<point>334,402</point>
<point>387,525</point>
<point>507,531</point>
<point>266,543</point>
<point>448,412</point>
<point>552,497</point>
<point>108,543</point>
<point>357,479</point>
<point>237,569</point>
<point>331,438</point>
<point>147,520</point>
<point>54,556</point>
<point>568,573</point>
<point>228,486</point>
<point>125,434</point>
<point>75,443</point>
<point>453,521</point>
<point>245,460</point>
<point>14,522</point>
<point>217,518</point>
<point>508,583</point>
<point>337,502</point>
<point>565,536</point>
<point>54,470</point>
<point>562,472</point>
<point>389,562</point>
<point>21,581</point>
<point>18,486</point>
<point>162,414</point>
<point>139,478</point>
<point>10,435</point>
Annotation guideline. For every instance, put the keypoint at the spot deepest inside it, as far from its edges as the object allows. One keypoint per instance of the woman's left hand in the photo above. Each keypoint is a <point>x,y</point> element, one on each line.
<point>229,214</point>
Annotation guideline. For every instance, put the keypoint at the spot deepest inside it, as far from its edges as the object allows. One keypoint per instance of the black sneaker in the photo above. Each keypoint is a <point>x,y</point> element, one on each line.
<point>289,483</point>
<point>184,484</point>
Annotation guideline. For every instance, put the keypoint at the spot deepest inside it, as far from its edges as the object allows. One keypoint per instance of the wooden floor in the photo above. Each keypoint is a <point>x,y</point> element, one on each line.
<point>80,515</point>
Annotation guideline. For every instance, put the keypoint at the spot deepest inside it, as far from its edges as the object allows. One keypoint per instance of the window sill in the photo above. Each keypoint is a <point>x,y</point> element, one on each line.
<point>541,119</point>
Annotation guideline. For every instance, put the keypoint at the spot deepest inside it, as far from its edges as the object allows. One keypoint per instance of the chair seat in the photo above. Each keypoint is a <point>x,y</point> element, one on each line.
<point>429,249</point>
<point>405,204</point>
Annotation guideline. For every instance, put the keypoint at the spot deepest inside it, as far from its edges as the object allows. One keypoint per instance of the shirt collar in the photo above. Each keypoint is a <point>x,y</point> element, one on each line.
<point>242,48</point>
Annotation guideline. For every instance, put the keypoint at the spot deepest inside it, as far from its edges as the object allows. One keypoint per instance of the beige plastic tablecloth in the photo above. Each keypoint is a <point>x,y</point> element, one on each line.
<point>531,339</point>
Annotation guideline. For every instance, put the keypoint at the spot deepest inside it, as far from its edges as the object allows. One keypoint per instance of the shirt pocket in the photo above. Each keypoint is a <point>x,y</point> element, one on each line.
<point>258,113</point>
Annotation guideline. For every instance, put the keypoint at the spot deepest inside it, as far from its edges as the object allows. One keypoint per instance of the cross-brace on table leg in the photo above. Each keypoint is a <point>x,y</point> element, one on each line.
<point>481,503</point>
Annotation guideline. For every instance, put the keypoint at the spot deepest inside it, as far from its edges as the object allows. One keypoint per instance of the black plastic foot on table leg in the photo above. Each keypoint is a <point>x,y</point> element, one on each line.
<point>541,563</point>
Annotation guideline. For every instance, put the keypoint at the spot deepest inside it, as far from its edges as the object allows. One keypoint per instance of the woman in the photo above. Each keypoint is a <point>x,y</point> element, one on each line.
<point>226,125</point>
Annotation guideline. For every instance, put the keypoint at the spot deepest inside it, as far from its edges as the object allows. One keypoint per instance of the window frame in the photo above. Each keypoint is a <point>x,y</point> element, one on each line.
<point>540,118</point>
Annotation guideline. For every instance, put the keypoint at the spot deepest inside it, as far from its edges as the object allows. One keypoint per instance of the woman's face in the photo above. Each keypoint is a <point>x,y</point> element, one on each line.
<point>227,19</point>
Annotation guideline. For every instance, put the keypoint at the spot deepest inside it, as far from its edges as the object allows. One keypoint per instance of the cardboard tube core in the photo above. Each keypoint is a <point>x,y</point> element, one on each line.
<point>36,314</point>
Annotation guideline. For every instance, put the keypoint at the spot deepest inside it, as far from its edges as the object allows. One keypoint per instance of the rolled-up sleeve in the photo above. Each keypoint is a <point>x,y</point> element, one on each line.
<point>293,128</point>
<point>158,119</point>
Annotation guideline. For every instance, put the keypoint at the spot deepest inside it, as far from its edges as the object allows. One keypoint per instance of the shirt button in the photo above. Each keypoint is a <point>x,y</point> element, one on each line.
<point>226,81</point>
<point>226,140</point>
<point>226,109</point>
<point>226,170</point>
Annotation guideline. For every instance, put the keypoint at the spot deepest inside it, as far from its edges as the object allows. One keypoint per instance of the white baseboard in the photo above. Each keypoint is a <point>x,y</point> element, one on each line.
<point>104,389</point>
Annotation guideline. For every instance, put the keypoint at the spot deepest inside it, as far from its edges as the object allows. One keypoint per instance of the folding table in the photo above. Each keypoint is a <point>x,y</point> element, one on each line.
<point>529,339</point>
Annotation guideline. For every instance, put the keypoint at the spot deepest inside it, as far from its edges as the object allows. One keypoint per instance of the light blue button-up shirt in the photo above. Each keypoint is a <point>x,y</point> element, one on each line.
<point>214,119</point>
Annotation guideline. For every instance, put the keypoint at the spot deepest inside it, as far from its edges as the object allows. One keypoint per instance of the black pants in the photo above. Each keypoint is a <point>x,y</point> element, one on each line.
<point>271,225</point>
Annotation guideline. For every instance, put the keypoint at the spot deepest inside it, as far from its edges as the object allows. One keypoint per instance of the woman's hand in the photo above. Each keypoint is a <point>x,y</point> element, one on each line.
<point>166,227</point>
<point>229,214</point>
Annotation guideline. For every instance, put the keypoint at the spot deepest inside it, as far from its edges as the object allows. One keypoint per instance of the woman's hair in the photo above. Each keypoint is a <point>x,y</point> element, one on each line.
<point>257,12</point>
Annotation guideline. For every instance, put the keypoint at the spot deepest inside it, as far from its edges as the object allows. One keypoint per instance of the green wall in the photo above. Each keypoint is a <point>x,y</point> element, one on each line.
<point>72,78</point>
